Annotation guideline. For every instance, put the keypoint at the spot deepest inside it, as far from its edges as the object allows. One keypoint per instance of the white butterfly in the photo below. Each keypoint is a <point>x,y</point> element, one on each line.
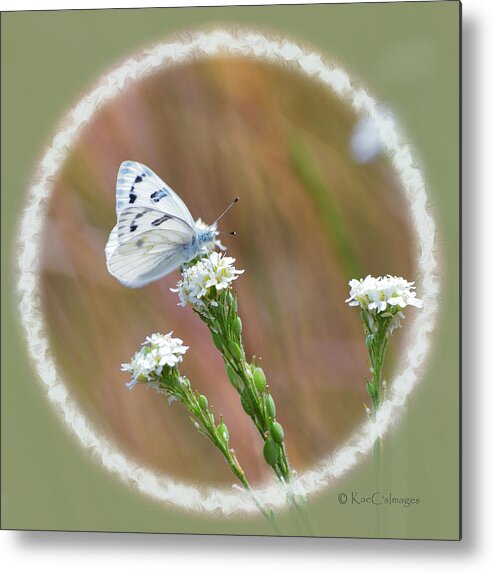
<point>155,232</point>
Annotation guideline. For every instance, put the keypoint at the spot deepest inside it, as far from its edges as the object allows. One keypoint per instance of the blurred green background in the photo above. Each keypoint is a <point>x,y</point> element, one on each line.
<point>310,218</point>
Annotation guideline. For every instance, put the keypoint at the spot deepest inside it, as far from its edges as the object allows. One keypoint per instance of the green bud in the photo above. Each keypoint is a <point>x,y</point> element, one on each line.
<point>235,351</point>
<point>237,326</point>
<point>233,378</point>
<point>246,405</point>
<point>370,390</point>
<point>216,309</point>
<point>277,432</point>
<point>270,406</point>
<point>259,379</point>
<point>204,404</point>
<point>271,451</point>
<point>183,381</point>
<point>223,432</point>
<point>217,341</point>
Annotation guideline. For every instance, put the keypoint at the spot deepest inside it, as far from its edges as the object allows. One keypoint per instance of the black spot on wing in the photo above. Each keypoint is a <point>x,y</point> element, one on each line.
<point>133,225</point>
<point>160,220</point>
<point>138,178</point>
<point>158,195</point>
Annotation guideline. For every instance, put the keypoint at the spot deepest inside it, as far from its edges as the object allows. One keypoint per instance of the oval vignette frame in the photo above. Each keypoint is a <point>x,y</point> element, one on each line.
<point>246,43</point>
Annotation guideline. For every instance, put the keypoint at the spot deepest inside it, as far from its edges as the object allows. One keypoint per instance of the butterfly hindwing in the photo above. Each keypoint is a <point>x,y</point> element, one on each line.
<point>139,186</point>
<point>144,257</point>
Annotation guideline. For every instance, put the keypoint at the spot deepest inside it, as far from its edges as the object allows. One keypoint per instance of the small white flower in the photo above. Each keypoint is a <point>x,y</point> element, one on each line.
<point>215,271</point>
<point>157,352</point>
<point>385,296</point>
<point>383,293</point>
<point>209,246</point>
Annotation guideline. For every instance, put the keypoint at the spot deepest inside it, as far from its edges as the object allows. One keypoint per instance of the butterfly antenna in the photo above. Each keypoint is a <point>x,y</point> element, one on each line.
<point>224,212</point>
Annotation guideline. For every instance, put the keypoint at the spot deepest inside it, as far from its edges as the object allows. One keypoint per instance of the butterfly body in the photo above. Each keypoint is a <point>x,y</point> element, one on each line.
<point>201,238</point>
<point>155,232</point>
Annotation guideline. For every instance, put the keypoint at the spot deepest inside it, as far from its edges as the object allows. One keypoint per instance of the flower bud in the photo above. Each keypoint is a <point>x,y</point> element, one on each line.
<point>217,341</point>
<point>237,326</point>
<point>271,451</point>
<point>214,308</point>
<point>259,379</point>
<point>235,351</point>
<point>204,404</point>
<point>246,404</point>
<point>370,390</point>
<point>270,406</point>
<point>277,432</point>
<point>233,377</point>
<point>223,432</point>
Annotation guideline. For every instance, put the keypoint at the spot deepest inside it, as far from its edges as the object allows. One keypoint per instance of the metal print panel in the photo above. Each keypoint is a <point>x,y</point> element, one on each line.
<point>231,270</point>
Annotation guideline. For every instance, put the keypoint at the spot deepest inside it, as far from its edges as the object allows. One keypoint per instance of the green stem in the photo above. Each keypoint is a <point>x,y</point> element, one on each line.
<point>229,342</point>
<point>377,463</point>
<point>377,342</point>
<point>205,418</point>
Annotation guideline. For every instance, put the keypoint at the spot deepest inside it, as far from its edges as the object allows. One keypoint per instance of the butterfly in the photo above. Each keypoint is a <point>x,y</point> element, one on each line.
<point>155,232</point>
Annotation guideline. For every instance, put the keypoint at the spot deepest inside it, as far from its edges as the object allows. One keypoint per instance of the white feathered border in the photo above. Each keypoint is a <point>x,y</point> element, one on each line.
<point>185,49</point>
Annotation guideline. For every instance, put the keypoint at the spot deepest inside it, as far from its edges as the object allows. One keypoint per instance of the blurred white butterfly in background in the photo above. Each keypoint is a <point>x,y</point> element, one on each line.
<point>155,232</point>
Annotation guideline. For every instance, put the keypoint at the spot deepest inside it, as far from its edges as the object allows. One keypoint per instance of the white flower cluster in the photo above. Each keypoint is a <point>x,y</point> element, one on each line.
<point>215,271</point>
<point>209,246</point>
<point>383,293</point>
<point>156,352</point>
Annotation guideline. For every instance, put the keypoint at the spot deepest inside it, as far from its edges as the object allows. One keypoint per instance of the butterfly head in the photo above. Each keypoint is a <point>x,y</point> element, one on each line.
<point>205,236</point>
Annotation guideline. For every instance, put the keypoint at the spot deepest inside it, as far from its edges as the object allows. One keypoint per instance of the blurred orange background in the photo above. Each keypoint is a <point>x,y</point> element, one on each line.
<point>311,216</point>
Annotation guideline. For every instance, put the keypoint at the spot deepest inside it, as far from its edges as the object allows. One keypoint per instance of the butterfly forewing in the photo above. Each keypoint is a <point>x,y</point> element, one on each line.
<point>136,220</point>
<point>138,186</point>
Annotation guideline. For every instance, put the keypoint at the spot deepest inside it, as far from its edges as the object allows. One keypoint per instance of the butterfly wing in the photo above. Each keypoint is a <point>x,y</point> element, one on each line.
<point>146,256</point>
<point>154,228</point>
<point>136,220</point>
<point>138,186</point>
